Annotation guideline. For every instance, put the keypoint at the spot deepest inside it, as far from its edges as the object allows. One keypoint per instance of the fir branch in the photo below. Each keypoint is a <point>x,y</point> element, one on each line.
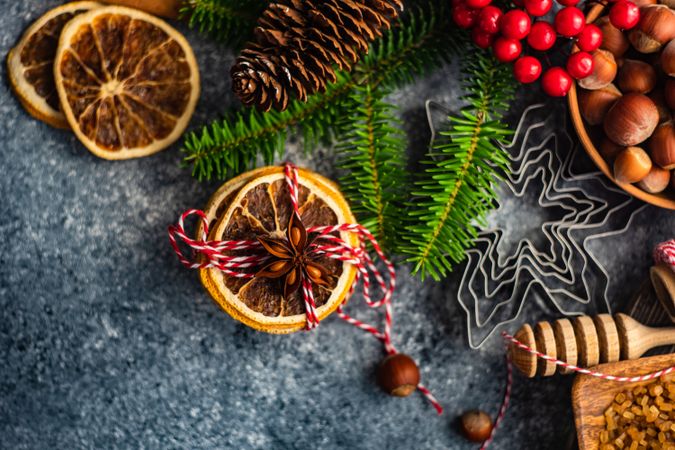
<point>372,152</point>
<point>421,42</point>
<point>231,21</point>
<point>231,146</point>
<point>457,188</point>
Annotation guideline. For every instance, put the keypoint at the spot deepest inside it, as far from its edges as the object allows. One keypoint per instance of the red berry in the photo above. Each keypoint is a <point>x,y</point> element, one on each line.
<point>624,15</point>
<point>580,65</point>
<point>542,36</point>
<point>569,21</point>
<point>568,2</point>
<point>457,2</point>
<point>590,38</point>
<point>538,8</point>
<point>488,19</point>
<point>505,49</point>
<point>556,82</point>
<point>527,69</point>
<point>515,24</point>
<point>464,16</point>
<point>477,4</point>
<point>481,38</point>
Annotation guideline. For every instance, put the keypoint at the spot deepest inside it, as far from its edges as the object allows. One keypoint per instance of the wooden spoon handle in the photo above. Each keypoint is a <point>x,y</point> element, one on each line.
<point>663,279</point>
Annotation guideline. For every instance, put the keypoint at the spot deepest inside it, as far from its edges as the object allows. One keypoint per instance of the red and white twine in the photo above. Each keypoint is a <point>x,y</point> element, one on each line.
<point>664,253</point>
<point>325,243</point>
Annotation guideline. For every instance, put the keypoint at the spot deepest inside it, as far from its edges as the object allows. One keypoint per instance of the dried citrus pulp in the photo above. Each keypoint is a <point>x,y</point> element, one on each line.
<point>31,63</point>
<point>128,82</point>
<point>257,204</point>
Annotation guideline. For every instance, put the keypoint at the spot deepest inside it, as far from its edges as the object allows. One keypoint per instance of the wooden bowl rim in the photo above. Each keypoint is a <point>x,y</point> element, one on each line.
<point>660,200</point>
<point>588,425</point>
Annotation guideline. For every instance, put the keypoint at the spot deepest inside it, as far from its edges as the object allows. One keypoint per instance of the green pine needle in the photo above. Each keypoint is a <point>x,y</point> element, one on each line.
<point>231,21</point>
<point>457,187</point>
<point>372,153</point>
<point>231,146</point>
<point>228,147</point>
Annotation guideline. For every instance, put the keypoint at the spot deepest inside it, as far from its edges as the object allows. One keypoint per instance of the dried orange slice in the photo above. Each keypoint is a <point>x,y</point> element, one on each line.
<point>255,204</point>
<point>128,82</point>
<point>31,63</point>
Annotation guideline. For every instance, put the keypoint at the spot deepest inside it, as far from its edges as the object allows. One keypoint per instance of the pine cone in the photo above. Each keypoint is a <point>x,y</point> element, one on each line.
<point>298,44</point>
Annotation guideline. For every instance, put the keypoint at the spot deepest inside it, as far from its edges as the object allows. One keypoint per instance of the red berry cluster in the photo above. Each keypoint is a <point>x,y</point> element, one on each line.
<point>505,32</point>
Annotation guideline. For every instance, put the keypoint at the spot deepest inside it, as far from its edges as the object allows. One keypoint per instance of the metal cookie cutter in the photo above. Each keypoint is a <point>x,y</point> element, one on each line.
<point>545,257</point>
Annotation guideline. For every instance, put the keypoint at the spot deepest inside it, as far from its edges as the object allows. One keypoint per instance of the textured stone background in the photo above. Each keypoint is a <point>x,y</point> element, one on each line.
<point>107,342</point>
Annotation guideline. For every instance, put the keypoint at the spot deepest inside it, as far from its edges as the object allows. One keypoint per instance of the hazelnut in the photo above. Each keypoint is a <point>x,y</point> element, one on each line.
<point>613,39</point>
<point>609,150</point>
<point>604,71</point>
<point>672,179</point>
<point>669,93</point>
<point>632,165</point>
<point>659,100</point>
<point>631,120</point>
<point>668,58</point>
<point>662,145</point>
<point>398,375</point>
<point>656,180</point>
<point>656,27</point>
<point>636,76</point>
<point>476,426</point>
<point>595,104</point>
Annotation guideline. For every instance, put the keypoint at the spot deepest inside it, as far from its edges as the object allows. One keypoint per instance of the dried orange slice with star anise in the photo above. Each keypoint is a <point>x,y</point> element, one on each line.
<point>128,82</point>
<point>257,206</point>
<point>31,63</point>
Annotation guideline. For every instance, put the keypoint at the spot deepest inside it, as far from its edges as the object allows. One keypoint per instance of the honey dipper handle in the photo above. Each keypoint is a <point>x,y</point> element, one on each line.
<point>662,336</point>
<point>636,339</point>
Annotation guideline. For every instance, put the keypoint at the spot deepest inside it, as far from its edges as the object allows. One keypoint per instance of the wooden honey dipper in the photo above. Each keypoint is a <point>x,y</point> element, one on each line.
<point>585,342</point>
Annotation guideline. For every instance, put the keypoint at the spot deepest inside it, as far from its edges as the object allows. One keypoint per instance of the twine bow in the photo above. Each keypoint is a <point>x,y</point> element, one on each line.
<point>326,244</point>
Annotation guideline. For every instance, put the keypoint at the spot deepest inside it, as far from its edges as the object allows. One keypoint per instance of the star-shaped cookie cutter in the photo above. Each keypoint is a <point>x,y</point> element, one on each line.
<point>560,270</point>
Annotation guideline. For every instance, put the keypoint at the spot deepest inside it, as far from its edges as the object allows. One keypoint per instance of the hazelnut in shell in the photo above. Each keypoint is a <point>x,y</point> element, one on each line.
<point>668,58</point>
<point>631,120</point>
<point>165,8</point>
<point>476,426</point>
<point>669,93</point>
<point>656,27</point>
<point>609,150</point>
<point>662,145</point>
<point>672,179</point>
<point>398,375</point>
<point>659,100</point>
<point>636,76</point>
<point>613,39</point>
<point>595,104</point>
<point>632,165</point>
<point>604,71</point>
<point>656,180</point>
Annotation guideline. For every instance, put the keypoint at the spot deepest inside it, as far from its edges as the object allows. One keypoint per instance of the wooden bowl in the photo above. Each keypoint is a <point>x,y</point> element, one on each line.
<point>665,199</point>
<point>592,396</point>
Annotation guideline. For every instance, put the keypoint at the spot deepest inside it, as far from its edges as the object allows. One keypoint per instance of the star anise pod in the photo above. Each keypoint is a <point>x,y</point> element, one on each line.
<point>291,259</point>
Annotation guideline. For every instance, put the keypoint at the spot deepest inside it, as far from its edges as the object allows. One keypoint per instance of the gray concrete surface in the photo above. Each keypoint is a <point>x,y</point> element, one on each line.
<point>107,342</point>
